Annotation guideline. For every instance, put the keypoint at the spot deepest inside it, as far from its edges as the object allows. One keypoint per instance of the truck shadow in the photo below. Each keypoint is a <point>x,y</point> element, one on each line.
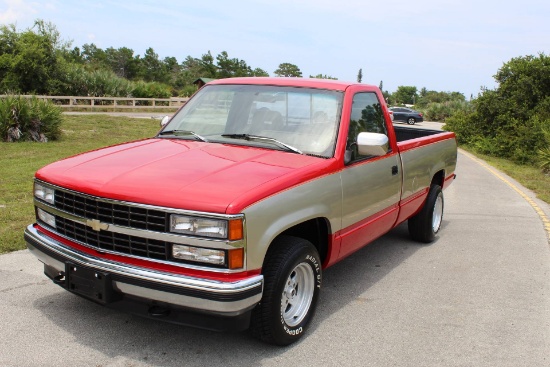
<point>122,338</point>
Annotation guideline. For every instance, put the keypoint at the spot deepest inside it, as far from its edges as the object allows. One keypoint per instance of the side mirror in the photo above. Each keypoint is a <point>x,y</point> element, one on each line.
<point>164,121</point>
<point>372,144</point>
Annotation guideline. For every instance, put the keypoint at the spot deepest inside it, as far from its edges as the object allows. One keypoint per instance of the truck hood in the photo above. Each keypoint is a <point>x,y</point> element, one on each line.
<point>183,174</point>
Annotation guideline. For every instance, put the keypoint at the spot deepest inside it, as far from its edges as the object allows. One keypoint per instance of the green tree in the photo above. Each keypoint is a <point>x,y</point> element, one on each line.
<point>190,71</point>
<point>405,95</point>
<point>93,56</point>
<point>193,68</point>
<point>360,76</point>
<point>259,72</point>
<point>122,62</point>
<point>513,120</point>
<point>430,96</point>
<point>323,76</point>
<point>439,106</point>
<point>30,61</point>
<point>229,68</point>
<point>288,70</point>
<point>172,70</point>
<point>151,67</point>
<point>207,67</point>
<point>74,56</point>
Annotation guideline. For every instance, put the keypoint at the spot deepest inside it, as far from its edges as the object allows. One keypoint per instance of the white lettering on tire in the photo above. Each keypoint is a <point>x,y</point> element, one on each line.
<point>293,332</point>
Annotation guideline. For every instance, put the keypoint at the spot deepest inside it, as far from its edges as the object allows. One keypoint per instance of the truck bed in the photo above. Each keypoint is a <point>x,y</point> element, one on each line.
<point>408,133</point>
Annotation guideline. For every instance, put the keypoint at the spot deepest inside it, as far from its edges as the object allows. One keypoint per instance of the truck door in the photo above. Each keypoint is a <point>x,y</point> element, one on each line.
<point>371,186</point>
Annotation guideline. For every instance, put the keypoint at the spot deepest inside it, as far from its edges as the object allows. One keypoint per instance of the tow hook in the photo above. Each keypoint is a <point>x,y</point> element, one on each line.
<point>59,279</point>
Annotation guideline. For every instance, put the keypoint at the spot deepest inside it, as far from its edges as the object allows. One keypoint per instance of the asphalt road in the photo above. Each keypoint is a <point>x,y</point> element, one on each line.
<point>478,296</point>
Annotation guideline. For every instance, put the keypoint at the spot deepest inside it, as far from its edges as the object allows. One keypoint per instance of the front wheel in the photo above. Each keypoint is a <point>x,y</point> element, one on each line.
<point>411,121</point>
<point>424,226</point>
<point>292,282</point>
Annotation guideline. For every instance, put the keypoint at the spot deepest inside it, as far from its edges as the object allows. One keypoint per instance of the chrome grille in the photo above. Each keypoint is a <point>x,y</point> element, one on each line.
<point>110,241</point>
<point>112,213</point>
<point>106,212</point>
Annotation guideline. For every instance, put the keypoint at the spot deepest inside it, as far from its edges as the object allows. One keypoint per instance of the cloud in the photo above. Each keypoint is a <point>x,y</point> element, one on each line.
<point>13,11</point>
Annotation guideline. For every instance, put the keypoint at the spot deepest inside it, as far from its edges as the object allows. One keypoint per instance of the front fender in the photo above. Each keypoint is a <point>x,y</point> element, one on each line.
<point>266,219</point>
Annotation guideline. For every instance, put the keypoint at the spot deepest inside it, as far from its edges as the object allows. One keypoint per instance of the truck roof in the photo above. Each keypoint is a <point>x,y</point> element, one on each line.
<point>291,82</point>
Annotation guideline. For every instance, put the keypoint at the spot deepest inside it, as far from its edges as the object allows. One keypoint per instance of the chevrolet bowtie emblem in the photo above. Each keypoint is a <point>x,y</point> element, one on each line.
<point>97,225</point>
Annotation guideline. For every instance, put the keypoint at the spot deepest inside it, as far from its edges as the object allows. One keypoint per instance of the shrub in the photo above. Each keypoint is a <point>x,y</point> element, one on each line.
<point>544,159</point>
<point>462,125</point>
<point>188,90</point>
<point>442,111</point>
<point>508,137</point>
<point>544,153</point>
<point>29,119</point>
<point>79,81</point>
<point>512,121</point>
<point>143,89</point>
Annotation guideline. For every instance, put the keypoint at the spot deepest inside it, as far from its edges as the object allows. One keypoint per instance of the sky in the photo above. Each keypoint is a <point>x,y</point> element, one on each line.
<point>442,45</point>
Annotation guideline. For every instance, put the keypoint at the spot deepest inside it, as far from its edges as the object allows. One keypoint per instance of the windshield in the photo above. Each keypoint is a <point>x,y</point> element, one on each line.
<point>302,119</point>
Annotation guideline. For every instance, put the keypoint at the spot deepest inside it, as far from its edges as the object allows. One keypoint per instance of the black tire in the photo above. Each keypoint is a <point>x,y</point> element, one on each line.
<point>424,226</point>
<point>411,121</point>
<point>292,280</point>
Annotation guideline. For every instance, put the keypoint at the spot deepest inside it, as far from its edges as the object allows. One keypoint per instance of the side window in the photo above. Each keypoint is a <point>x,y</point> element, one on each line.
<point>366,116</point>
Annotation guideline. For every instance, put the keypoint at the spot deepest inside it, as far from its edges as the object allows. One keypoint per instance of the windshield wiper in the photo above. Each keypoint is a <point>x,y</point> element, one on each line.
<point>183,133</point>
<point>263,138</point>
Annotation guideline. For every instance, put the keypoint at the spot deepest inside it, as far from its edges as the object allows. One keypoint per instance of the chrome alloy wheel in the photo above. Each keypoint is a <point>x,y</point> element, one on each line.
<point>297,294</point>
<point>437,216</point>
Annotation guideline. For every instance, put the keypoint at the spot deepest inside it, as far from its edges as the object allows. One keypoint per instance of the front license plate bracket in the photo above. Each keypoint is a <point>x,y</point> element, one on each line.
<point>90,283</point>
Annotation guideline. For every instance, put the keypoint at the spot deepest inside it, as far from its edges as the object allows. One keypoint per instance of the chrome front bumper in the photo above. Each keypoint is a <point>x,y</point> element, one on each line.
<point>200,295</point>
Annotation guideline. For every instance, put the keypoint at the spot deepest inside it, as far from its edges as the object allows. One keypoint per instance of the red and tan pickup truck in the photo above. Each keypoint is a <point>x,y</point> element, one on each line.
<point>227,218</point>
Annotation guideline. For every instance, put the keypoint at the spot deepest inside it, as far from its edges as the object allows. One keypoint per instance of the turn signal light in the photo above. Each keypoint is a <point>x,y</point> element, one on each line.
<point>236,258</point>
<point>235,229</point>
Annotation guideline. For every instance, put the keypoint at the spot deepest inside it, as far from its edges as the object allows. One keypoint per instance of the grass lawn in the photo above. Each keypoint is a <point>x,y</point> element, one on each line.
<point>19,162</point>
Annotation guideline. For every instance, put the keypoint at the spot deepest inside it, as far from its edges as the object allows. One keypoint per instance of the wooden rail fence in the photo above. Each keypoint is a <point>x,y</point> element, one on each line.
<point>112,102</point>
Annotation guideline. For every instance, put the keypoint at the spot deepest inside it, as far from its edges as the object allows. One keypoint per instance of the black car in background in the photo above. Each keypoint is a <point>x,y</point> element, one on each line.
<point>407,115</point>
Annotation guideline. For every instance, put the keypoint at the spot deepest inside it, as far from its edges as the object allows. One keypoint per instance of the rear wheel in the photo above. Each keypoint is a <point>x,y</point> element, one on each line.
<point>292,282</point>
<point>424,226</point>
<point>411,121</point>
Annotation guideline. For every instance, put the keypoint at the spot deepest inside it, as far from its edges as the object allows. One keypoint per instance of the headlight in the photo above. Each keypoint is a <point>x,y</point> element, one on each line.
<point>198,254</point>
<point>207,227</point>
<point>232,259</point>
<point>44,193</point>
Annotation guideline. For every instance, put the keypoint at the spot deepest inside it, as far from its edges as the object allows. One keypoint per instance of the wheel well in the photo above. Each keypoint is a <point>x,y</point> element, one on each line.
<point>438,179</point>
<point>315,231</point>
